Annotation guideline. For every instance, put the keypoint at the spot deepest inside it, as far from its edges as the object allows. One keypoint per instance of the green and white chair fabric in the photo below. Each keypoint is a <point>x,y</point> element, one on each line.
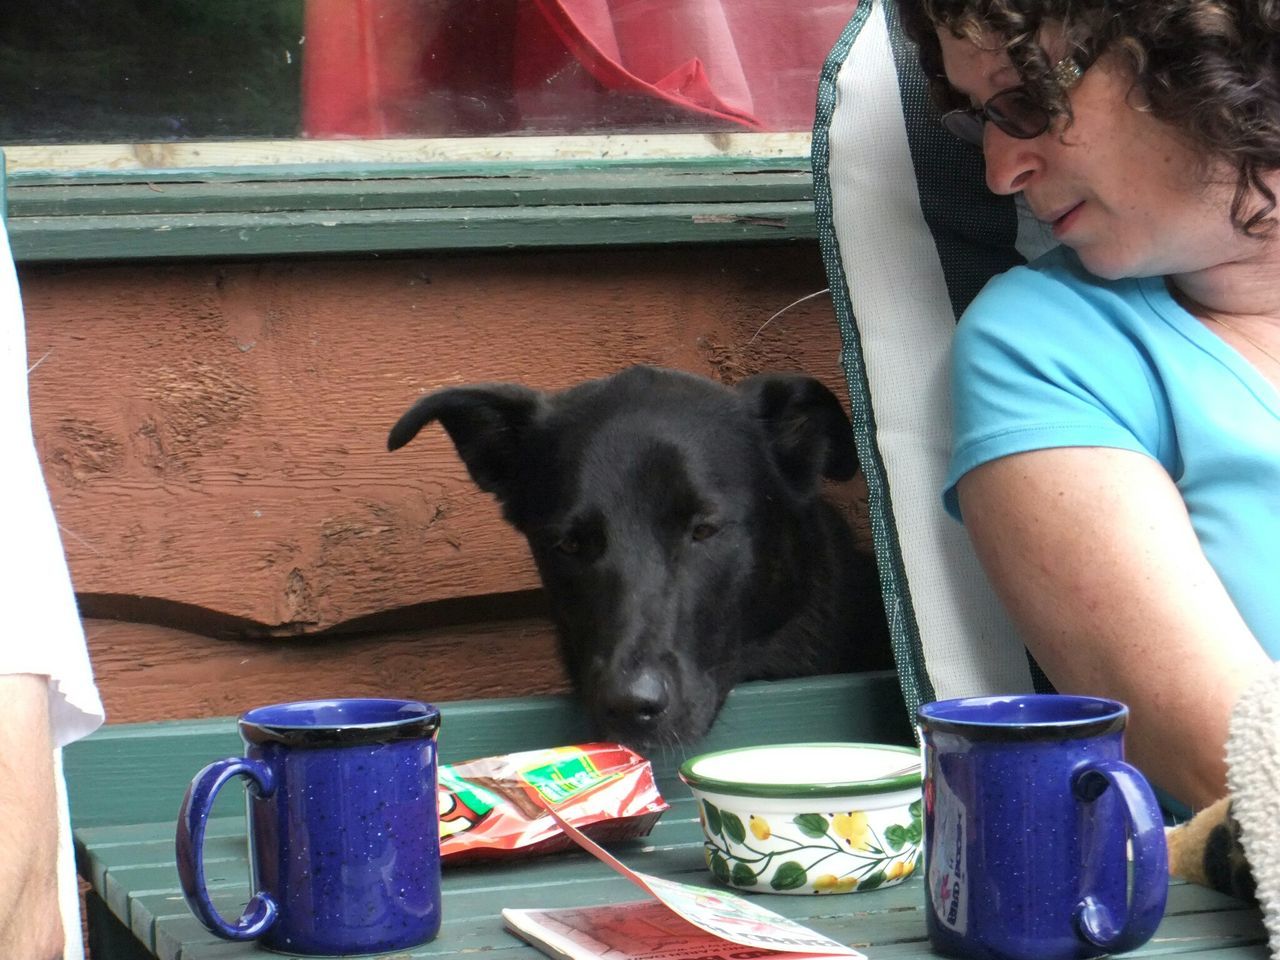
<point>909,235</point>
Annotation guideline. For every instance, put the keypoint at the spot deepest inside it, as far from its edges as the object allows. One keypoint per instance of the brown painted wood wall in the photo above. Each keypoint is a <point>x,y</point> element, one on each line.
<point>213,435</point>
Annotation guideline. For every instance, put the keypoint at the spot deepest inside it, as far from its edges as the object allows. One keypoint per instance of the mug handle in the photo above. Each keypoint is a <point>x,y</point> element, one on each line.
<point>193,818</point>
<point>1150,859</point>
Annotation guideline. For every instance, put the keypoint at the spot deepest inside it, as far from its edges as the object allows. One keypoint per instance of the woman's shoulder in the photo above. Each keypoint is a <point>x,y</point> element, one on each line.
<point>1056,274</point>
<point>1054,302</point>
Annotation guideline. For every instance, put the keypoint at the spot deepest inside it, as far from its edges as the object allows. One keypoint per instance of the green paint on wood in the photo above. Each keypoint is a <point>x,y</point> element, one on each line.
<point>137,773</point>
<point>73,219</point>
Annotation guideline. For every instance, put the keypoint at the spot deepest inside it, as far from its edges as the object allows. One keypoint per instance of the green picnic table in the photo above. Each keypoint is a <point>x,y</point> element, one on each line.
<point>126,783</point>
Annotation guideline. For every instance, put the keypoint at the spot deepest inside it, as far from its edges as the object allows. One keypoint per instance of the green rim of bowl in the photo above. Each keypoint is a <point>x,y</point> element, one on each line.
<point>847,788</point>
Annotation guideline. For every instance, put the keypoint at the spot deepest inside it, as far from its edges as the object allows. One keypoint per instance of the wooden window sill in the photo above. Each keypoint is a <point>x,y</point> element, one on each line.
<point>374,207</point>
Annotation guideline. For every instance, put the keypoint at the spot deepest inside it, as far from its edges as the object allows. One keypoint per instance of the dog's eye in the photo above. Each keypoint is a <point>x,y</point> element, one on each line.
<point>701,531</point>
<point>569,545</point>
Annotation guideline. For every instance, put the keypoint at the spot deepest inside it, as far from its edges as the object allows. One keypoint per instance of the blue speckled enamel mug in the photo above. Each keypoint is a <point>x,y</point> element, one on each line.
<point>1029,808</point>
<point>344,838</point>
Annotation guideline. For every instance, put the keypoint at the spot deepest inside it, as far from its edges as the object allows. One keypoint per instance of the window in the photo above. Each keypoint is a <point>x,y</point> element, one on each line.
<point>295,105</point>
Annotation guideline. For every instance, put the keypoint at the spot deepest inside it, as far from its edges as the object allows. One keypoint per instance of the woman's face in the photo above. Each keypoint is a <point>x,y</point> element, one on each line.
<point>1116,185</point>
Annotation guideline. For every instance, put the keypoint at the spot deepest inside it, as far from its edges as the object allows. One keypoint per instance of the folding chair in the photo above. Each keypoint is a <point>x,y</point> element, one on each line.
<point>909,234</point>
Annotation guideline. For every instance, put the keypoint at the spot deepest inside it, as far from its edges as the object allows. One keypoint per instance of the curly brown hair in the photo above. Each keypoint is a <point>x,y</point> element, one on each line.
<point>1210,69</point>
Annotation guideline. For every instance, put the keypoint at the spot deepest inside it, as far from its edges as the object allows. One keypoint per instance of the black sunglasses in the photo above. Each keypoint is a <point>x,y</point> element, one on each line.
<point>1014,111</point>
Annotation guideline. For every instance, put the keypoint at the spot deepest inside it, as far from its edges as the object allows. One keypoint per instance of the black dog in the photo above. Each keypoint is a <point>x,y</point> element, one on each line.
<point>679,533</point>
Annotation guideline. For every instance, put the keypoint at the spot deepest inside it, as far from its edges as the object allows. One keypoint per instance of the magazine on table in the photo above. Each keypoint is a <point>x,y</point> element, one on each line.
<point>679,921</point>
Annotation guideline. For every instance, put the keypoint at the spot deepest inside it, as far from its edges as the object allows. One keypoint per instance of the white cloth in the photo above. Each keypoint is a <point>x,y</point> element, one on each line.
<point>43,634</point>
<point>1253,781</point>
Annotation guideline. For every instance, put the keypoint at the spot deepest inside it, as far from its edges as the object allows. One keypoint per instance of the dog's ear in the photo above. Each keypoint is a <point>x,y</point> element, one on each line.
<point>486,424</point>
<point>807,426</point>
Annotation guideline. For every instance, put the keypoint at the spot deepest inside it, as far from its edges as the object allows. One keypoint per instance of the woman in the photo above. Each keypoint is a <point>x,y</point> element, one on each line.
<point>1117,448</point>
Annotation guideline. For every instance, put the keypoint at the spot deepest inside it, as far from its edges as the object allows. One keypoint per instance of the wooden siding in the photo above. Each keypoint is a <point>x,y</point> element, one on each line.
<point>213,434</point>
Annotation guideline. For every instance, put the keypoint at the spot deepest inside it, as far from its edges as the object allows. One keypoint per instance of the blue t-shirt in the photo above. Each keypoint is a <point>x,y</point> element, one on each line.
<point>1051,356</point>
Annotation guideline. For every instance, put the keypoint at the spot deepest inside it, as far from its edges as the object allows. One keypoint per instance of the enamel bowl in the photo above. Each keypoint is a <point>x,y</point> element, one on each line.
<point>809,817</point>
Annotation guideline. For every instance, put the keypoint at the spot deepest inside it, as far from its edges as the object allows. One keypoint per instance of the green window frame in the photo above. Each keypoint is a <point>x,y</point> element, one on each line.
<point>369,208</point>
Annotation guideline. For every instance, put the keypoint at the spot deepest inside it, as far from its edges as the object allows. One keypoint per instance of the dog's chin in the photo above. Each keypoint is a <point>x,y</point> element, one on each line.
<point>668,733</point>
<point>648,745</point>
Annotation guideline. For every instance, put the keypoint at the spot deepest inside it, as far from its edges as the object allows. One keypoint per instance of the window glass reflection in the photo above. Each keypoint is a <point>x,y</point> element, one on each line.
<point>128,71</point>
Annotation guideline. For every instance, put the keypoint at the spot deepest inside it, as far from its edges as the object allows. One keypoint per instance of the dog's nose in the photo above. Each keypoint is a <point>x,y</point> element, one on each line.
<point>638,702</point>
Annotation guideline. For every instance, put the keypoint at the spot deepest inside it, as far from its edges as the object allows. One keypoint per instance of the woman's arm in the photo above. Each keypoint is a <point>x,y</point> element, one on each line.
<point>30,918</point>
<point>1093,554</point>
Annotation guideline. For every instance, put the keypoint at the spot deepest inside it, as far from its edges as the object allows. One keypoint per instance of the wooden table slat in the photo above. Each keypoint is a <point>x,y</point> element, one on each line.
<point>137,773</point>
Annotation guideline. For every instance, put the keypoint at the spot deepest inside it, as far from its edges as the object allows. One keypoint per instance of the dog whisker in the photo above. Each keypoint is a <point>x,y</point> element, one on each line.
<point>794,303</point>
<point>79,539</point>
<point>31,368</point>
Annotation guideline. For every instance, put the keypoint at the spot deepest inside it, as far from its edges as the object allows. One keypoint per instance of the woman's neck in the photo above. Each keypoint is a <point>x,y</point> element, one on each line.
<point>1246,287</point>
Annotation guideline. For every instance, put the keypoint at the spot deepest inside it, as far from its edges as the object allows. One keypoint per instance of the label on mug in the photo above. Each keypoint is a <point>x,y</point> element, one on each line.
<point>948,872</point>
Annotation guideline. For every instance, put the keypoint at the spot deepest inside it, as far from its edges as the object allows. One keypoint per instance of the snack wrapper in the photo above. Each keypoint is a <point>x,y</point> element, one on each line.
<point>496,807</point>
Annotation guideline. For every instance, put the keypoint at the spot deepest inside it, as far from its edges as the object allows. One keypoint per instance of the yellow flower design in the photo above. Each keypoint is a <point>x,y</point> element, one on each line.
<point>852,828</point>
<point>830,883</point>
<point>759,827</point>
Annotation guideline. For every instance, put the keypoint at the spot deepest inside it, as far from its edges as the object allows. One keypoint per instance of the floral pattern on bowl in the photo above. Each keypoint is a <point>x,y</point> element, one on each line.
<point>809,818</point>
<point>810,852</point>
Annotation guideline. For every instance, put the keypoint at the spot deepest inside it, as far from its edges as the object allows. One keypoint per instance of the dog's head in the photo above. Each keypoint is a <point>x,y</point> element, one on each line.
<point>670,518</point>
